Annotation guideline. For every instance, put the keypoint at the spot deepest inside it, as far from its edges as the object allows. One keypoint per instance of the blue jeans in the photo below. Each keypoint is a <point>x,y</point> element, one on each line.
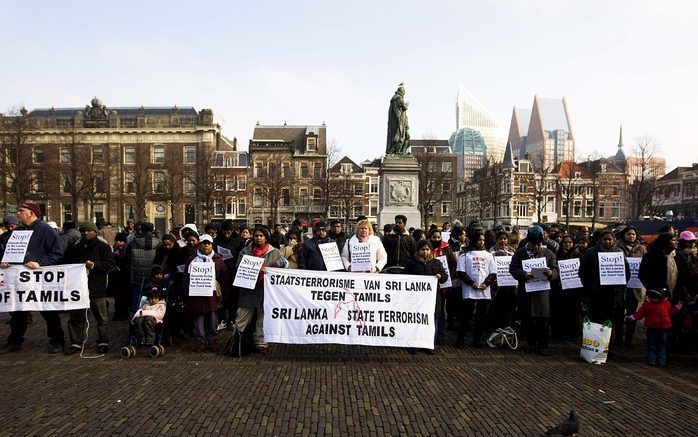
<point>656,345</point>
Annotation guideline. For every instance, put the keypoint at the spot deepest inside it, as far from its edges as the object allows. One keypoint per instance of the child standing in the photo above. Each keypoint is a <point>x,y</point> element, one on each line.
<point>657,312</point>
<point>145,320</point>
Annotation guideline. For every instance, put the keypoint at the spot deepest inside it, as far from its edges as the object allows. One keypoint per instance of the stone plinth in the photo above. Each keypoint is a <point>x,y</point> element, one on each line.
<point>399,190</point>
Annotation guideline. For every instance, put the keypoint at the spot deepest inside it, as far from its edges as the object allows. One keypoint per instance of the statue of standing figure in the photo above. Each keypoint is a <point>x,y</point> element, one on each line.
<point>398,127</point>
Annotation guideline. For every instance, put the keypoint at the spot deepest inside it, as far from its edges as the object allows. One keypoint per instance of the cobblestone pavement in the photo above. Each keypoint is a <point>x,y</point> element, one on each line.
<point>340,390</point>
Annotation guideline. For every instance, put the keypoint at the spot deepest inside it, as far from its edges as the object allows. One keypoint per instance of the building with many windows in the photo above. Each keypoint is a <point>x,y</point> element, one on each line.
<point>288,173</point>
<point>111,164</point>
<point>473,115</point>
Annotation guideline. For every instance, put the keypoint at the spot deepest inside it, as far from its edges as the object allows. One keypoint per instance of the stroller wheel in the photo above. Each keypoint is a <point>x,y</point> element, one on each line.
<point>162,350</point>
<point>154,351</point>
<point>128,352</point>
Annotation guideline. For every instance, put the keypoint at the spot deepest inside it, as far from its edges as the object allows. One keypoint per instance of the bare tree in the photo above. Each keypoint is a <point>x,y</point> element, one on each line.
<point>566,185</point>
<point>494,187</point>
<point>323,180</point>
<point>431,181</point>
<point>643,176</point>
<point>16,142</point>
<point>76,172</point>
<point>173,183</point>
<point>138,182</point>
<point>541,188</point>
<point>273,184</point>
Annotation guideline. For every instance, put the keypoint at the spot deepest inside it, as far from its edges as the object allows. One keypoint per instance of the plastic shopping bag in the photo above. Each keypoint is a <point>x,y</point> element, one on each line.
<point>595,339</point>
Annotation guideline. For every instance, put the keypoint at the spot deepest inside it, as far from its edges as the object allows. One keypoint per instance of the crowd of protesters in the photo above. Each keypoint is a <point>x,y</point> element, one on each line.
<point>143,277</point>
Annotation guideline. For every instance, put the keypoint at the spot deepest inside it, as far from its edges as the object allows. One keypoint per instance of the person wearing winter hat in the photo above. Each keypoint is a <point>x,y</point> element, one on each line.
<point>10,223</point>
<point>309,255</point>
<point>534,307</point>
<point>631,247</point>
<point>252,300</point>
<point>98,259</point>
<point>43,249</point>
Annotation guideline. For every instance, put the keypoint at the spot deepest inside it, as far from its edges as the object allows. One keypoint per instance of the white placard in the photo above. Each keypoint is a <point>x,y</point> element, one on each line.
<point>331,256</point>
<point>50,288</point>
<point>361,257</point>
<point>504,278</point>
<point>535,284</point>
<point>569,273</point>
<point>304,307</point>
<point>634,264</point>
<point>224,253</point>
<point>445,236</point>
<point>444,261</point>
<point>202,279</point>
<point>16,247</point>
<point>248,271</point>
<point>612,268</point>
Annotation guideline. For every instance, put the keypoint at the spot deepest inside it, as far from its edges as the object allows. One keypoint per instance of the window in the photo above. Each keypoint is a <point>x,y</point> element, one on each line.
<point>190,154</point>
<point>577,212</point>
<point>589,208</point>
<point>358,210</point>
<point>522,188</point>
<point>602,209</point>
<point>38,156</point>
<point>285,197</point>
<point>615,210</point>
<point>258,198</point>
<point>334,211</point>
<point>129,155</point>
<point>565,207</point>
<point>317,196</point>
<point>66,183</point>
<point>431,167</point>
<point>373,186</point>
<point>446,166</point>
<point>504,210</point>
<point>286,170</point>
<point>99,211</point>
<point>304,170</point>
<point>258,170</point>
<point>66,157</point>
<point>303,196</point>
<point>522,209</point>
<point>159,183</point>
<point>446,187</point>
<point>219,183</point>
<point>97,154</point>
<point>188,183</point>
<point>311,144</point>
<point>99,185</point>
<point>346,168</point>
<point>373,208</point>
<point>317,170</point>
<point>550,204</point>
<point>242,183</point>
<point>358,189</point>
<point>129,182</point>
<point>446,208</point>
<point>158,154</point>
<point>218,208</point>
<point>67,212</point>
<point>272,169</point>
<point>242,209</point>
<point>229,184</point>
<point>615,190</point>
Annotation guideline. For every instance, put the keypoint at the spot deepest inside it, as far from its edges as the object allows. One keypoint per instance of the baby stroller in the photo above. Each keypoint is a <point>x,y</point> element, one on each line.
<point>154,351</point>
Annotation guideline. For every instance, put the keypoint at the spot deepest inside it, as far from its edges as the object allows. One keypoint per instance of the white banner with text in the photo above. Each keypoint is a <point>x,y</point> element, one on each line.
<point>52,288</point>
<point>303,307</point>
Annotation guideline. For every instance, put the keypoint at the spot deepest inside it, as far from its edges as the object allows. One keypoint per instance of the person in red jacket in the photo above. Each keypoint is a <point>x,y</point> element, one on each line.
<point>657,312</point>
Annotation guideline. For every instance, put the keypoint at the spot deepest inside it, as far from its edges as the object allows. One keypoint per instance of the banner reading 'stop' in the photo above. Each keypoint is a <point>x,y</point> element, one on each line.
<point>53,288</point>
<point>302,306</point>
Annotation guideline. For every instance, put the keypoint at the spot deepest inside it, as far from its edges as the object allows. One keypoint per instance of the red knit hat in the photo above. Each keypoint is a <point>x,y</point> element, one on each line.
<point>33,207</point>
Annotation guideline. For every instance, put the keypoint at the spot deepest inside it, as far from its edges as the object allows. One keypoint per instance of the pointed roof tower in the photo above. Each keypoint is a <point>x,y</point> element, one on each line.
<point>620,155</point>
<point>508,161</point>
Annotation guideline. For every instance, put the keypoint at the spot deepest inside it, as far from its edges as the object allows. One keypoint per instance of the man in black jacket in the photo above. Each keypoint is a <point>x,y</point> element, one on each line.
<point>44,249</point>
<point>336,233</point>
<point>309,255</point>
<point>399,245</point>
<point>99,261</point>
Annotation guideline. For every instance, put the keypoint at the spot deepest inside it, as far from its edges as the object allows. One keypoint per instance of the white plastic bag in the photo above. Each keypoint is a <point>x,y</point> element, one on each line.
<point>595,339</point>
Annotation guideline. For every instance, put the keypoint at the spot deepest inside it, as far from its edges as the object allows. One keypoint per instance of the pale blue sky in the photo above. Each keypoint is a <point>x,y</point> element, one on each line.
<point>306,62</point>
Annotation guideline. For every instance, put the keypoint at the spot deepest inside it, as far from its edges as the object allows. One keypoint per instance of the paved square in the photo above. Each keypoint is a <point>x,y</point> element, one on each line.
<point>340,390</point>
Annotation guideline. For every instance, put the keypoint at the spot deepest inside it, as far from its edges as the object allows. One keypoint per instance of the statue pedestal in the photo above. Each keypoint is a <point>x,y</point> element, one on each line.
<point>399,190</point>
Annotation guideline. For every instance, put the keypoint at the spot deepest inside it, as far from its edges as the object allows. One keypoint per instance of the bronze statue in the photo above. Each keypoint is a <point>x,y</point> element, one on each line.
<point>398,127</point>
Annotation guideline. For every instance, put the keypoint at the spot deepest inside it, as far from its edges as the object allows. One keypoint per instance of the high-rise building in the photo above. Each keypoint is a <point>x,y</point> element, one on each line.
<point>471,114</point>
<point>549,140</point>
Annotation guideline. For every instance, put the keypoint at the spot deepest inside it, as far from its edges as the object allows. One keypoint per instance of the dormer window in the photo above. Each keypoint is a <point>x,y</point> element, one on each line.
<point>311,144</point>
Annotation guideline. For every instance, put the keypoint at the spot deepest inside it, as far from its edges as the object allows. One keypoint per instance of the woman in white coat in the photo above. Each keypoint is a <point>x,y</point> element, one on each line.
<point>364,234</point>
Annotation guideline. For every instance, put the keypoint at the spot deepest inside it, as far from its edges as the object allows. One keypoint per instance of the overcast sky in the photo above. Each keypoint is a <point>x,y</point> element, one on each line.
<point>305,62</point>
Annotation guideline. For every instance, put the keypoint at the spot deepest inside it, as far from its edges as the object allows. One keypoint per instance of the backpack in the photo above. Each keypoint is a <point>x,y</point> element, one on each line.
<point>240,343</point>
